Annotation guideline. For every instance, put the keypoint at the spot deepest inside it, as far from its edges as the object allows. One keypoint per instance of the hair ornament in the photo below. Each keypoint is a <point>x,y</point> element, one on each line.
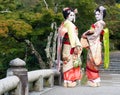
<point>102,8</point>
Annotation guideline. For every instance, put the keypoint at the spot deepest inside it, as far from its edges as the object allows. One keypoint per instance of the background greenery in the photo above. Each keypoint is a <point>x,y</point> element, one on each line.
<point>31,19</point>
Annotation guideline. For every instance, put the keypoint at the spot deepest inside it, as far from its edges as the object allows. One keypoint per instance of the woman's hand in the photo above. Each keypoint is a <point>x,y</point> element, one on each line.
<point>89,32</point>
<point>85,35</point>
<point>66,60</point>
<point>77,50</point>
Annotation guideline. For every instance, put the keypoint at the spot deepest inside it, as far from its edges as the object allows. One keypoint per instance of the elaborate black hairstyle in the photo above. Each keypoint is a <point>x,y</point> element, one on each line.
<point>66,12</point>
<point>102,10</point>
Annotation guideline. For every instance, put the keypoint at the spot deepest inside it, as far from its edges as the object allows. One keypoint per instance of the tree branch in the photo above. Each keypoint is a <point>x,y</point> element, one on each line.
<point>46,4</point>
<point>41,62</point>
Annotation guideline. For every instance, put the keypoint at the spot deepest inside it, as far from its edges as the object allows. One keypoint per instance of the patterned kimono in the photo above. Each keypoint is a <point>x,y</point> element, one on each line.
<point>69,33</point>
<point>94,57</point>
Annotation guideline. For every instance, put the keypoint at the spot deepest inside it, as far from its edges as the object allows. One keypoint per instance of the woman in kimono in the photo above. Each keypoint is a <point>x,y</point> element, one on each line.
<point>71,49</point>
<point>94,56</point>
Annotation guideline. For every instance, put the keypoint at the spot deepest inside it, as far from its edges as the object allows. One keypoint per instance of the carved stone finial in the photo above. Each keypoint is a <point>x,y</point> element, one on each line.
<point>17,62</point>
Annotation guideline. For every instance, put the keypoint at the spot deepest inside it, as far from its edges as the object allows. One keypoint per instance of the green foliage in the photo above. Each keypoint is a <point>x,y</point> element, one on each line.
<point>3,28</point>
<point>13,27</point>
<point>84,79</point>
<point>117,1</point>
<point>10,15</point>
<point>85,16</point>
<point>113,23</point>
<point>19,28</point>
<point>105,2</point>
<point>7,4</point>
<point>9,50</point>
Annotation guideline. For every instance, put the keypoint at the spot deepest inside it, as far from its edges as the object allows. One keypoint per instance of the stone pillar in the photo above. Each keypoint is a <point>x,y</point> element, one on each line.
<point>38,86</point>
<point>51,80</point>
<point>17,67</point>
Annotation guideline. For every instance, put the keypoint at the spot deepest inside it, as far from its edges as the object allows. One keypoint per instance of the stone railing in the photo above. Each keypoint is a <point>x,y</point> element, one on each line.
<point>19,81</point>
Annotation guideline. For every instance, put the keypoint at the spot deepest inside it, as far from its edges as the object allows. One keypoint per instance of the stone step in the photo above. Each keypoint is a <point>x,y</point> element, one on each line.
<point>110,76</point>
<point>115,59</point>
<point>112,72</point>
<point>111,69</point>
<point>110,79</point>
<point>116,62</point>
<point>103,83</point>
<point>112,66</point>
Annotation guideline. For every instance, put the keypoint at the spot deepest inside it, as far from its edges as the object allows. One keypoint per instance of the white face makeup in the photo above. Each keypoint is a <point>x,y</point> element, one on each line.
<point>71,17</point>
<point>98,16</point>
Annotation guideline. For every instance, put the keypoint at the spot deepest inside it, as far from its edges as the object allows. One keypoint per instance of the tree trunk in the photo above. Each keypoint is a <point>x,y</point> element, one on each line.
<point>54,43</point>
<point>51,51</point>
<point>48,50</point>
<point>41,62</point>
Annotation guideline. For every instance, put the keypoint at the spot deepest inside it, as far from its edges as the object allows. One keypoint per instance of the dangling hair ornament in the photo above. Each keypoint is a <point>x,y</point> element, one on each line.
<point>75,11</point>
<point>102,9</point>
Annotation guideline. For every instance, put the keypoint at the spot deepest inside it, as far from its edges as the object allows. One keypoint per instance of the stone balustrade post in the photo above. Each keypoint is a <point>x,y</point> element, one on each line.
<point>51,80</point>
<point>38,86</point>
<point>17,67</point>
